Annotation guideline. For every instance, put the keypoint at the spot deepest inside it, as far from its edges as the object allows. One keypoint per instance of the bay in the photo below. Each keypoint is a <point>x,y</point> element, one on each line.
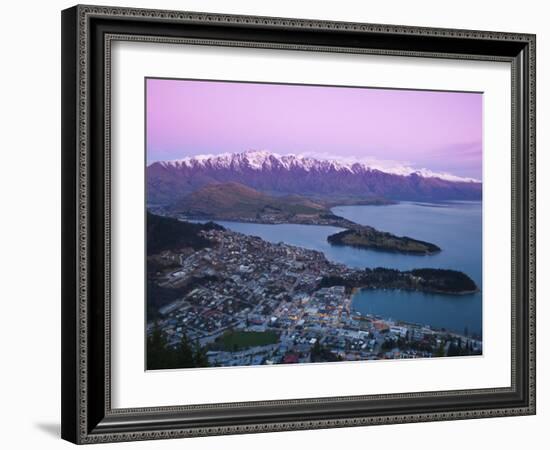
<point>456,227</point>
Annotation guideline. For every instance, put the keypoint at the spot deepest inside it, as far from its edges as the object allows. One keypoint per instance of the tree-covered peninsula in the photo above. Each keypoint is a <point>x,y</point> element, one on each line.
<point>442,281</point>
<point>370,238</point>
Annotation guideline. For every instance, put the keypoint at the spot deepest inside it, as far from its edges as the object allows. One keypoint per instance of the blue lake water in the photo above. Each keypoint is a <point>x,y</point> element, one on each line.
<point>455,227</point>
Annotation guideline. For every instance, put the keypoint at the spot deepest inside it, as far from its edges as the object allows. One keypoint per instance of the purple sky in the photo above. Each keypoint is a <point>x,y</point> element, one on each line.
<point>440,131</point>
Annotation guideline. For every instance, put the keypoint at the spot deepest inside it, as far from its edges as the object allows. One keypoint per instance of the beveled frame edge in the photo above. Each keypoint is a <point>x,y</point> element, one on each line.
<point>76,222</point>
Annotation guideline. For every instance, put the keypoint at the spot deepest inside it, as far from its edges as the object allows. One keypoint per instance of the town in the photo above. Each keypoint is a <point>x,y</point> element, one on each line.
<point>251,302</point>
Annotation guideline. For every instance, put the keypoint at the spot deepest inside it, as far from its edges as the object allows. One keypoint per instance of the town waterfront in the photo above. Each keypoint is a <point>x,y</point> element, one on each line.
<point>456,227</point>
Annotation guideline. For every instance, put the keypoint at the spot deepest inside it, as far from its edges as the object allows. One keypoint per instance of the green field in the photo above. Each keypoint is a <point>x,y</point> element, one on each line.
<point>237,340</point>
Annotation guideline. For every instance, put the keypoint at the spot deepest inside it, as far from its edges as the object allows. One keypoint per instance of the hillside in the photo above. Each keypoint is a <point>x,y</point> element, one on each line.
<point>166,233</point>
<point>236,201</point>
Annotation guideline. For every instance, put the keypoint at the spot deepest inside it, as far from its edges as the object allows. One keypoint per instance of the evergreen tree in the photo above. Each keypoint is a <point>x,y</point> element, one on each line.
<point>184,354</point>
<point>156,349</point>
<point>441,350</point>
<point>454,349</point>
<point>161,356</point>
<point>316,351</point>
<point>200,358</point>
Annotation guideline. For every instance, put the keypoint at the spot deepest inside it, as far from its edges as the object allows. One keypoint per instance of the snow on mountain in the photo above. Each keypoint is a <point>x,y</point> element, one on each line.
<point>262,160</point>
<point>318,178</point>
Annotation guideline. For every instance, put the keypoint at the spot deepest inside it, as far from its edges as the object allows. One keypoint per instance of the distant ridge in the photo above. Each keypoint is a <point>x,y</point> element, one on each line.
<point>267,172</point>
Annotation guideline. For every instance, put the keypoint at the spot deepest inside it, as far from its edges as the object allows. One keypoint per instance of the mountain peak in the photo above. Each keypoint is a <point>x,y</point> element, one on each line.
<point>257,153</point>
<point>265,160</point>
<point>317,178</point>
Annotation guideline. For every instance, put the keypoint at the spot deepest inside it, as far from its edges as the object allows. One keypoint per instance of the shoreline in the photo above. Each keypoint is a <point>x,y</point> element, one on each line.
<point>427,290</point>
<point>377,238</point>
<point>375,316</point>
<point>356,290</point>
<point>383,250</point>
<point>439,330</point>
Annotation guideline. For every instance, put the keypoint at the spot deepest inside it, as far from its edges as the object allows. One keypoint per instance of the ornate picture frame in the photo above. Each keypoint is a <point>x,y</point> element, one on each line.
<point>88,33</point>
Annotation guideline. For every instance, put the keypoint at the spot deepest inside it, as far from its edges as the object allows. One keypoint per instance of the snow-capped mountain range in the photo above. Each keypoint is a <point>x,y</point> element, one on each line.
<point>264,160</point>
<point>168,181</point>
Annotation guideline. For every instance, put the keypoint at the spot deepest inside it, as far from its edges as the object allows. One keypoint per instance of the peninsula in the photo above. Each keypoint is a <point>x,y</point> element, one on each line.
<point>439,281</point>
<point>236,202</point>
<point>370,238</point>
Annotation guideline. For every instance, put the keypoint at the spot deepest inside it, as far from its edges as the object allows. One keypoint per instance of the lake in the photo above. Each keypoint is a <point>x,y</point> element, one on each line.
<point>456,227</point>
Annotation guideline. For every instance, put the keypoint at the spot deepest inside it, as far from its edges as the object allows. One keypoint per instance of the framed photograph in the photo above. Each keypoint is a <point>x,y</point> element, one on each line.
<point>279,224</point>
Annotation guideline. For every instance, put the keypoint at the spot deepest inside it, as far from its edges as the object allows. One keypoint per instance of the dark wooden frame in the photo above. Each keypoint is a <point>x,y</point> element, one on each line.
<point>87,32</point>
